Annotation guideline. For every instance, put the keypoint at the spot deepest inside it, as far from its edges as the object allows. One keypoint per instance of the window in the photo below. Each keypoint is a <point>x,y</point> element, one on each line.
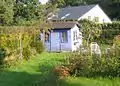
<point>64,37</point>
<point>74,35</point>
<point>89,17</point>
<point>103,20</point>
<point>47,37</point>
<point>96,19</point>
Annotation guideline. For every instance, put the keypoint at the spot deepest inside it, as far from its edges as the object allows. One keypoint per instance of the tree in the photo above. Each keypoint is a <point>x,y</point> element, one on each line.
<point>57,3</point>
<point>6,12</point>
<point>26,11</point>
<point>90,30</point>
<point>74,2</point>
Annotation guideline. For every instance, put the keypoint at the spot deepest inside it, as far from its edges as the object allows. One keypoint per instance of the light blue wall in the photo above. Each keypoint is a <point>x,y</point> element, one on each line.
<point>55,41</point>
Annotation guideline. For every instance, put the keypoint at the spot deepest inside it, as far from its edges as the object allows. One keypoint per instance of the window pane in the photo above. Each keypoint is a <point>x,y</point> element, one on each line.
<point>89,17</point>
<point>74,35</point>
<point>64,37</point>
<point>96,19</point>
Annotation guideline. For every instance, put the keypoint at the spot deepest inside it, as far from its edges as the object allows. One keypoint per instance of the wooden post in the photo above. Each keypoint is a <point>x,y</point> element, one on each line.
<point>21,49</point>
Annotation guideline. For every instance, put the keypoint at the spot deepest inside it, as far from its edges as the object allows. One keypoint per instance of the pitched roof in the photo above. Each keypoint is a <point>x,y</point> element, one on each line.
<point>75,12</point>
<point>63,25</point>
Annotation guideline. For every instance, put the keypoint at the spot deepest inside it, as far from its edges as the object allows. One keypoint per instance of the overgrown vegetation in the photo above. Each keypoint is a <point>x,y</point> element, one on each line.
<point>91,65</point>
<point>38,71</point>
<point>83,63</point>
<point>109,31</point>
<point>101,33</point>
<point>90,31</point>
<point>18,43</point>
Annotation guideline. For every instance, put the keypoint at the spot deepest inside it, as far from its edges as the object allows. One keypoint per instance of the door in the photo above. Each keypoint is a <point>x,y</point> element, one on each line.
<point>55,41</point>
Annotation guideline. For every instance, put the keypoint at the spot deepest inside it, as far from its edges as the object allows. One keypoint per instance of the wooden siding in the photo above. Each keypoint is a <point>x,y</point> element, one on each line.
<point>55,44</point>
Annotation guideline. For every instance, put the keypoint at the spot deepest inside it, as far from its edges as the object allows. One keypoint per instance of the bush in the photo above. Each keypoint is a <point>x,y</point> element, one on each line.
<point>26,53</point>
<point>106,67</point>
<point>109,31</point>
<point>38,45</point>
<point>91,66</point>
<point>61,72</point>
<point>116,40</point>
<point>2,55</point>
<point>79,64</point>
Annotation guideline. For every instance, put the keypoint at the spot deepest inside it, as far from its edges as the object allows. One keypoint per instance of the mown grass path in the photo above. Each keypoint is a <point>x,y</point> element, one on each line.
<point>38,72</point>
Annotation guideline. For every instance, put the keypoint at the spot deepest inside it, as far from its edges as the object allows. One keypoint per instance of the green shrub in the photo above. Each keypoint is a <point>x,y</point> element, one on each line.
<point>79,64</point>
<point>2,55</point>
<point>116,40</point>
<point>38,45</point>
<point>90,66</point>
<point>109,31</point>
<point>106,67</point>
<point>26,53</point>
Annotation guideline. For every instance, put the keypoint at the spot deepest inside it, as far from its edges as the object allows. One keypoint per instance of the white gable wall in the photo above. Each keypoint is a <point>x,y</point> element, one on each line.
<point>76,43</point>
<point>97,12</point>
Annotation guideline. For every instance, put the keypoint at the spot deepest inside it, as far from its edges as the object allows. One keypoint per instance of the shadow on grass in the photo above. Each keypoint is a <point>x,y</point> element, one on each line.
<point>46,78</point>
<point>8,78</point>
<point>43,77</point>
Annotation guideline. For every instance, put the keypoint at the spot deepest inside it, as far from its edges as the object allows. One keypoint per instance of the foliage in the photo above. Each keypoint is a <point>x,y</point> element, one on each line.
<point>109,31</point>
<point>2,55</point>
<point>37,44</point>
<point>38,71</point>
<point>74,2</point>
<point>16,41</point>
<point>9,42</point>
<point>102,33</point>
<point>116,41</point>
<point>22,12</point>
<point>27,11</point>
<point>62,72</point>
<point>58,3</point>
<point>79,65</point>
<point>92,66</point>
<point>90,30</point>
<point>6,12</point>
<point>27,53</point>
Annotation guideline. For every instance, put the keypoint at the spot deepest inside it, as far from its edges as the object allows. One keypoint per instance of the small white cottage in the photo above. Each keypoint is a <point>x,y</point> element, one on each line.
<point>90,12</point>
<point>64,36</point>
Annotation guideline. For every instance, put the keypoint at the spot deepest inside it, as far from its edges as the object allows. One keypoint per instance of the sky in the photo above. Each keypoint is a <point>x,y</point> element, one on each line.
<point>43,1</point>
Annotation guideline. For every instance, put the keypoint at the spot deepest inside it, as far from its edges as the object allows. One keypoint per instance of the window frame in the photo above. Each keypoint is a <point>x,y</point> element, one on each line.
<point>62,39</point>
<point>96,19</point>
<point>89,17</point>
<point>75,36</point>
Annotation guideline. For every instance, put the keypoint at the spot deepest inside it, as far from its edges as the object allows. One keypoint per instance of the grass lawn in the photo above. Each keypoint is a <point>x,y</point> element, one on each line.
<point>38,72</point>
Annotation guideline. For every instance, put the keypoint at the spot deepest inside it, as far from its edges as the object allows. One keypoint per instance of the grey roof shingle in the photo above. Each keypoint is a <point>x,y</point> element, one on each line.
<point>63,25</point>
<point>73,13</point>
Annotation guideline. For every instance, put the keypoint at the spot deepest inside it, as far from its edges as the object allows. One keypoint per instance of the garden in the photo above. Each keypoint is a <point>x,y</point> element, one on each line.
<point>23,61</point>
